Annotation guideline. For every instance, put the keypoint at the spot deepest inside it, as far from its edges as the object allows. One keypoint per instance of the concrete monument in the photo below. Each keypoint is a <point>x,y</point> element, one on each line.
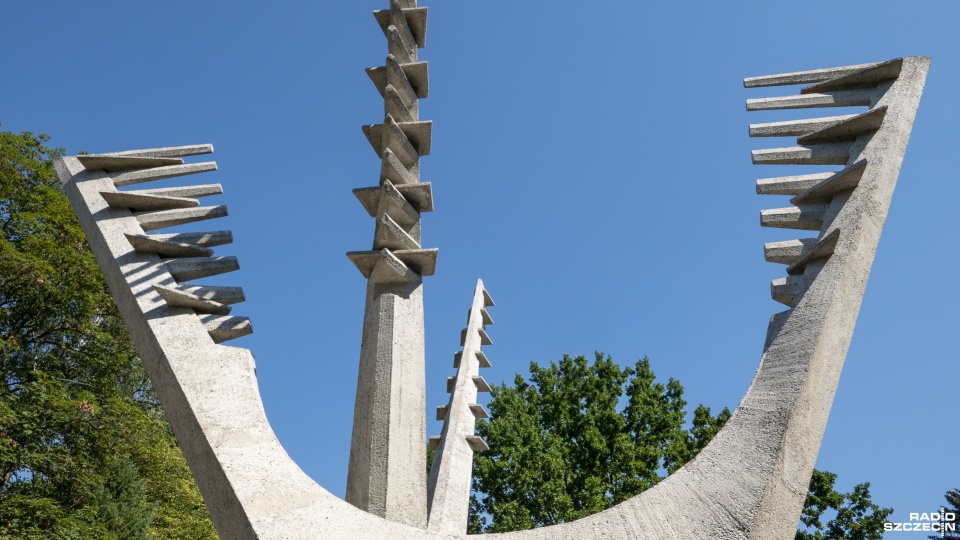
<point>749,482</point>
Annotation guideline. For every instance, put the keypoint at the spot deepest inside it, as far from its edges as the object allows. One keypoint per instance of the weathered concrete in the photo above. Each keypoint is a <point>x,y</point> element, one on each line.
<point>448,488</point>
<point>387,469</point>
<point>748,483</point>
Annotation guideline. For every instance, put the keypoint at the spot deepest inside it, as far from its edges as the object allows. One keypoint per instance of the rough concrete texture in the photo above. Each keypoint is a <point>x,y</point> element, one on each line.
<point>448,487</point>
<point>749,482</point>
<point>387,469</point>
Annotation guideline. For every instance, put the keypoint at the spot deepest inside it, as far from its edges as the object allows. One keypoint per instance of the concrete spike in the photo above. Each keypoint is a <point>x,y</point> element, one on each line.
<point>394,170</point>
<point>434,442</point>
<point>481,384</point>
<point>416,21</point>
<point>867,76</point>
<point>794,127</point>
<point>442,412</point>
<point>448,488</point>
<point>398,44</point>
<point>397,77</point>
<point>838,182</point>
<point>169,151</point>
<point>484,315</point>
<point>478,381</point>
<point>390,135</point>
<point>482,360</point>
<point>419,195</point>
<point>847,129</point>
<point>382,266</point>
<point>224,328</point>
<point>484,338</point>
<point>820,154</point>
<point>365,261</point>
<point>141,201</point>
<point>203,190</point>
<point>416,74</point>
<point>169,218</point>
<point>160,173</point>
<point>112,163</point>
<point>478,411</point>
<point>146,243</point>
<point>803,77</point>
<point>178,298</point>
<point>419,76</point>
<point>487,299</point>
<point>788,251</point>
<point>477,444</point>
<point>419,134</point>
<point>216,293</point>
<point>369,197</point>
<point>393,203</point>
<point>840,98</point>
<point>790,185</point>
<point>822,249</point>
<point>409,24</point>
<point>785,290</point>
<point>204,239</point>
<point>190,268</point>
<point>396,107</point>
<point>390,235</point>
<point>808,218</point>
<point>421,261</point>
<point>378,75</point>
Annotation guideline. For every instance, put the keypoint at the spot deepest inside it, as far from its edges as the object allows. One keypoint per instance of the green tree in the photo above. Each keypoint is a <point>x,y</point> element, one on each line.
<point>84,449</point>
<point>952,507</point>
<point>855,516</point>
<point>578,438</point>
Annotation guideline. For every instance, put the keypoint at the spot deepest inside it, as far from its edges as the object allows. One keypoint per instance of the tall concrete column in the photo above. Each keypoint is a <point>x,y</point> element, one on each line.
<point>387,470</point>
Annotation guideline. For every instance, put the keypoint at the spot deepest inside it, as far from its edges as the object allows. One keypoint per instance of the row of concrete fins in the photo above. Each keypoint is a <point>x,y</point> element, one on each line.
<point>397,255</point>
<point>821,141</point>
<point>468,370</point>
<point>187,255</point>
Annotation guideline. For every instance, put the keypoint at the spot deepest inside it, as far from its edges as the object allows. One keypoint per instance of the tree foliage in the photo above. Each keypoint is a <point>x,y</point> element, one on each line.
<point>84,449</point>
<point>854,515</point>
<point>952,507</point>
<point>577,438</point>
<point>562,447</point>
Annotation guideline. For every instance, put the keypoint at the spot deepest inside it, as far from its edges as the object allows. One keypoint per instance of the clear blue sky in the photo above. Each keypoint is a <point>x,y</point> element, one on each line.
<point>590,162</point>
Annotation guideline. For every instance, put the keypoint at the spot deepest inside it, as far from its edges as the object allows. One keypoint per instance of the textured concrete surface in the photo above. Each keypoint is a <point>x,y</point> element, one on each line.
<point>387,469</point>
<point>448,487</point>
<point>749,482</point>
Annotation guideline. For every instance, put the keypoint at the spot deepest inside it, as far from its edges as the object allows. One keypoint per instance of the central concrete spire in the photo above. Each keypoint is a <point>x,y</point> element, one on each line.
<point>387,471</point>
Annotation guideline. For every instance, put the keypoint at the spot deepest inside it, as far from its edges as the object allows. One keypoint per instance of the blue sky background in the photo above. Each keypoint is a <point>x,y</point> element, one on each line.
<point>590,162</point>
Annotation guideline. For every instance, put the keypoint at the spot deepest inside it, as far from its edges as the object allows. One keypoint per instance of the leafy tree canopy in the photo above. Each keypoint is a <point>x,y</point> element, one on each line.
<point>84,449</point>
<point>577,438</point>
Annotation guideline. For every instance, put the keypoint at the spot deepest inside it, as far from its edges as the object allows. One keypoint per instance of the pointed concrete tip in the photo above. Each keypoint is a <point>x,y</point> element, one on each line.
<point>169,151</point>
<point>487,300</point>
<point>111,163</point>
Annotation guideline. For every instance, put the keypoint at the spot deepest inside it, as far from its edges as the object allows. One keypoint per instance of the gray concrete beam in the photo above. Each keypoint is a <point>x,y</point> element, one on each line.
<point>146,243</point>
<point>824,190</point>
<point>161,173</point>
<point>141,201</point>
